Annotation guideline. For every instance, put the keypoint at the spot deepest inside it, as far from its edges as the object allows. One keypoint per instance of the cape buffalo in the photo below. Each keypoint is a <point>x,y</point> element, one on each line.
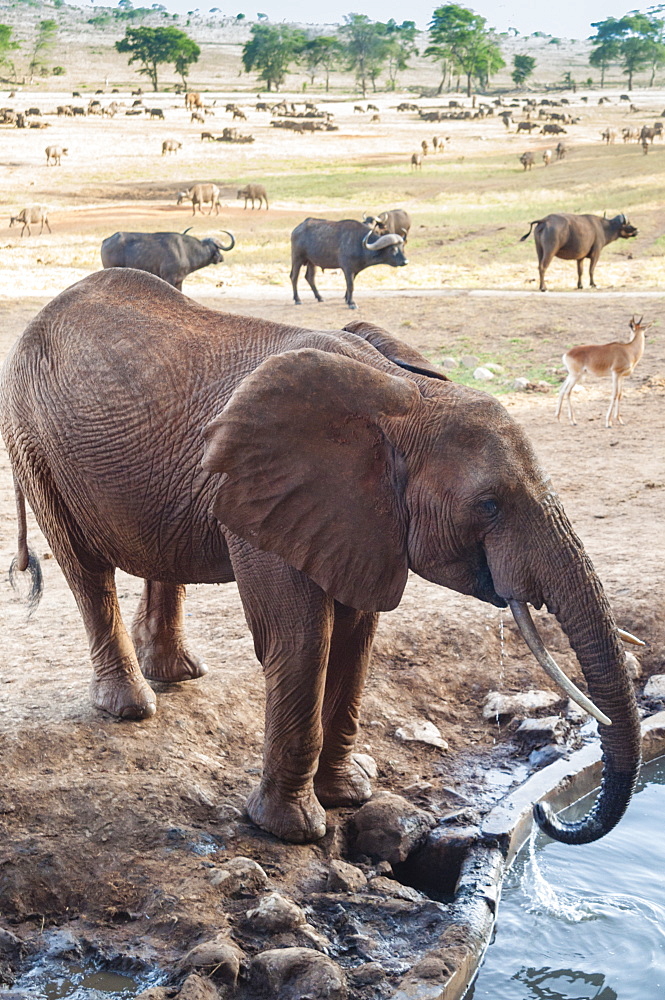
<point>575,237</point>
<point>346,245</point>
<point>171,256</point>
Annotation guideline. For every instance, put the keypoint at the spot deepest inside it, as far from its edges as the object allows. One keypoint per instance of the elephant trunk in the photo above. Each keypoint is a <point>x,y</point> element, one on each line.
<point>577,599</point>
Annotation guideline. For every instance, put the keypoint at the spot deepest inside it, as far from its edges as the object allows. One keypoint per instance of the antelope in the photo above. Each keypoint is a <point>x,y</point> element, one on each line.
<point>617,359</point>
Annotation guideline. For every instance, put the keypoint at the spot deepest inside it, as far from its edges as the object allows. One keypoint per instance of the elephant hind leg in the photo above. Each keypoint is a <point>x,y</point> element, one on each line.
<point>117,686</point>
<point>158,635</point>
<point>340,778</point>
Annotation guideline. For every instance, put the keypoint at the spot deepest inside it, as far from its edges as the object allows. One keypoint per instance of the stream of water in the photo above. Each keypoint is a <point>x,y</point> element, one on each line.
<point>585,923</point>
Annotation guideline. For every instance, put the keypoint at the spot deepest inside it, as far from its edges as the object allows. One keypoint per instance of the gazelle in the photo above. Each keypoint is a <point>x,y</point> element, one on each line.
<point>617,359</point>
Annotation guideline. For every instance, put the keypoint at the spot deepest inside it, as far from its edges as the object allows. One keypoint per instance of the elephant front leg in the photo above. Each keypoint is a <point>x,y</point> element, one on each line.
<point>291,620</point>
<point>159,638</point>
<point>340,779</point>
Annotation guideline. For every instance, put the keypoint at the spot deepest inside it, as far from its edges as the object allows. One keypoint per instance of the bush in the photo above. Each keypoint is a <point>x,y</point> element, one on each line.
<point>58,71</point>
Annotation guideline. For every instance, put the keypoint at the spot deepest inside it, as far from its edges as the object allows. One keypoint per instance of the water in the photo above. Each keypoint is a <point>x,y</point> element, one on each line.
<point>54,978</point>
<point>586,923</point>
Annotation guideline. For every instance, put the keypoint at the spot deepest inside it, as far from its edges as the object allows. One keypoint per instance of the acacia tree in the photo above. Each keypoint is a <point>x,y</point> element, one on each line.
<point>400,46</point>
<point>270,50</point>
<point>523,67</point>
<point>188,53</point>
<point>7,46</point>
<point>154,46</point>
<point>634,41</point>
<point>323,51</point>
<point>44,40</point>
<point>464,36</point>
<point>366,49</point>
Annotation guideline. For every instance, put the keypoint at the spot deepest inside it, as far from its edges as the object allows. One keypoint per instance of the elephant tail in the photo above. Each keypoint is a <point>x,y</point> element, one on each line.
<point>25,559</point>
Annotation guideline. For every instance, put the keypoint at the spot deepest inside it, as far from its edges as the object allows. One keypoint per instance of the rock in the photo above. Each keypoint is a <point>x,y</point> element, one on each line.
<point>367,763</point>
<point>469,361</point>
<point>391,887</point>
<point>343,877</point>
<point>483,374</point>
<point>220,953</point>
<point>198,988</point>
<point>655,687</point>
<point>276,913</point>
<point>367,975</point>
<point>574,713</point>
<point>546,755</point>
<point>297,974</point>
<point>435,866</point>
<point>633,666</point>
<point>505,705</point>
<point>494,368</point>
<point>10,945</point>
<point>239,877</point>
<point>521,384</point>
<point>154,993</point>
<point>421,731</point>
<point>449,363</point>
<point>536,732</point>
<point>388,827</point>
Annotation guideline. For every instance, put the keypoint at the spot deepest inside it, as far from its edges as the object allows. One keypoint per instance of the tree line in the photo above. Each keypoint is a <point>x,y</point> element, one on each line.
<point>467,51</point>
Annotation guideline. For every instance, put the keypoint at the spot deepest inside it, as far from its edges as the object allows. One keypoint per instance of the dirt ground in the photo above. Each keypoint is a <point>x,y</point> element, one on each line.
<point>117,829</point>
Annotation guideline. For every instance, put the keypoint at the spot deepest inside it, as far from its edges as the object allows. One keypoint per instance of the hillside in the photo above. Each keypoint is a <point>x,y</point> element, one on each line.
<point>87,53</point>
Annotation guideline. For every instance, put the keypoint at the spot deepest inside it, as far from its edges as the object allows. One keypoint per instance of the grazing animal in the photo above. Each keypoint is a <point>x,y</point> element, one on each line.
<point>80,112</point>
<point>617,359</point>
<point>416,161</point>
<point>527,160</point>
<point>171,256</point>
<point>358,109</point>
<point>526,126</point>
<point>316,468</point>
<point>196,116</point>
<point>394,221</point>
<point>156,113</point>
<point>254,192</point>
<point>33,113</point>
<point>551,128</point>
<point>193,100</point>
<point>199,195</point>
<point>576,237</point>
<point>375,119</point>
<point>240,114</point>
<point>54,155</point>
<point>608,136</point>
<point>170,146</point>
<point>424,147</point>
<point>30,216</point>
<point>372,107</point>
<point>207,135</point>
<point>561,150</point>
<point>346,245</point>
<point>547,157</point>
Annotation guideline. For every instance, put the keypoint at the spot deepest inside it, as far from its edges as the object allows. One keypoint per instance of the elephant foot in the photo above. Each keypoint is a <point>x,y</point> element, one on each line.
<point>170,666</point>
<point>299,821</point>
<point>126,697</point>
<point>344,784</point>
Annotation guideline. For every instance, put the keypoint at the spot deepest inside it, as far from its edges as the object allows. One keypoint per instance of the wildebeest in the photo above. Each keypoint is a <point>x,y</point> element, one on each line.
<point>527,160</point>
<point>54,154</point>
<point>394,221</point>
<point>170,146</point>
<point>199,195</point>
<point>171,256</point>
<point>416,161</point>
<point>346,245</point>
<point>31,215</point>
<point>576,237</point>
<point>254,192</point>
<point>196,116</point>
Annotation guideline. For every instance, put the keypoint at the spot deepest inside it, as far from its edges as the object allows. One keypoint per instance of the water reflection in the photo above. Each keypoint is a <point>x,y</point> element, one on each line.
<point>543,985</point>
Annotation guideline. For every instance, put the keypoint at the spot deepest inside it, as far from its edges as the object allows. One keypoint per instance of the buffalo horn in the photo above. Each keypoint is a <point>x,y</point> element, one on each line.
<point>231,244</point>
<point>388,240</point>
<point>535,643</point>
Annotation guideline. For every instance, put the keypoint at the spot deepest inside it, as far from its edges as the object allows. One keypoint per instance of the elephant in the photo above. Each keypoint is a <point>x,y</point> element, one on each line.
<point>316,468</point>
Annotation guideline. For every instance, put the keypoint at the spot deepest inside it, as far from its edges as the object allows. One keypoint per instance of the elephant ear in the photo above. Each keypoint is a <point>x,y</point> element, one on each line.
<point>311,476</point>
<point>394,349</point>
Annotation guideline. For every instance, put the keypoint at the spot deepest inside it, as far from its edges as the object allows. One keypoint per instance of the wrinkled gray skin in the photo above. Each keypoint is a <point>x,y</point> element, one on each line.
<point>189,446</point>
<point>575,237</point>
<point>171,256</point>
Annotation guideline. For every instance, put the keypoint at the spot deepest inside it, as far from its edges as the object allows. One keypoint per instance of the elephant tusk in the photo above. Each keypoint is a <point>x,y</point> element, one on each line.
<point>629,637</point>
<point>535,643</point>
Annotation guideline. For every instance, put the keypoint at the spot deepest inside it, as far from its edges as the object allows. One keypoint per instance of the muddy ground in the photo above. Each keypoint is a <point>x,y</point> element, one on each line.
<point>117,830</point>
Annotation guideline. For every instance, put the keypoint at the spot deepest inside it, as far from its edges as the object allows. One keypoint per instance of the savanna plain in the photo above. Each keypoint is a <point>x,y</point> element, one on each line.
<point>115,831</point>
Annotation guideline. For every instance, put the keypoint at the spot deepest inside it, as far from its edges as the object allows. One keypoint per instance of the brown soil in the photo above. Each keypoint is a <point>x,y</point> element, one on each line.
<point>116,828</point>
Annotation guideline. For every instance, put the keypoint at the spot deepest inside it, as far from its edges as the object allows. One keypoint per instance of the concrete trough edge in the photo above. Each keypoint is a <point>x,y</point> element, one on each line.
<point>447,971</point>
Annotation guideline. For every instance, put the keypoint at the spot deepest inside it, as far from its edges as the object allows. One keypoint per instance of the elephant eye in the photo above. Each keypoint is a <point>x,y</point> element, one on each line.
<point>490,508</point>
